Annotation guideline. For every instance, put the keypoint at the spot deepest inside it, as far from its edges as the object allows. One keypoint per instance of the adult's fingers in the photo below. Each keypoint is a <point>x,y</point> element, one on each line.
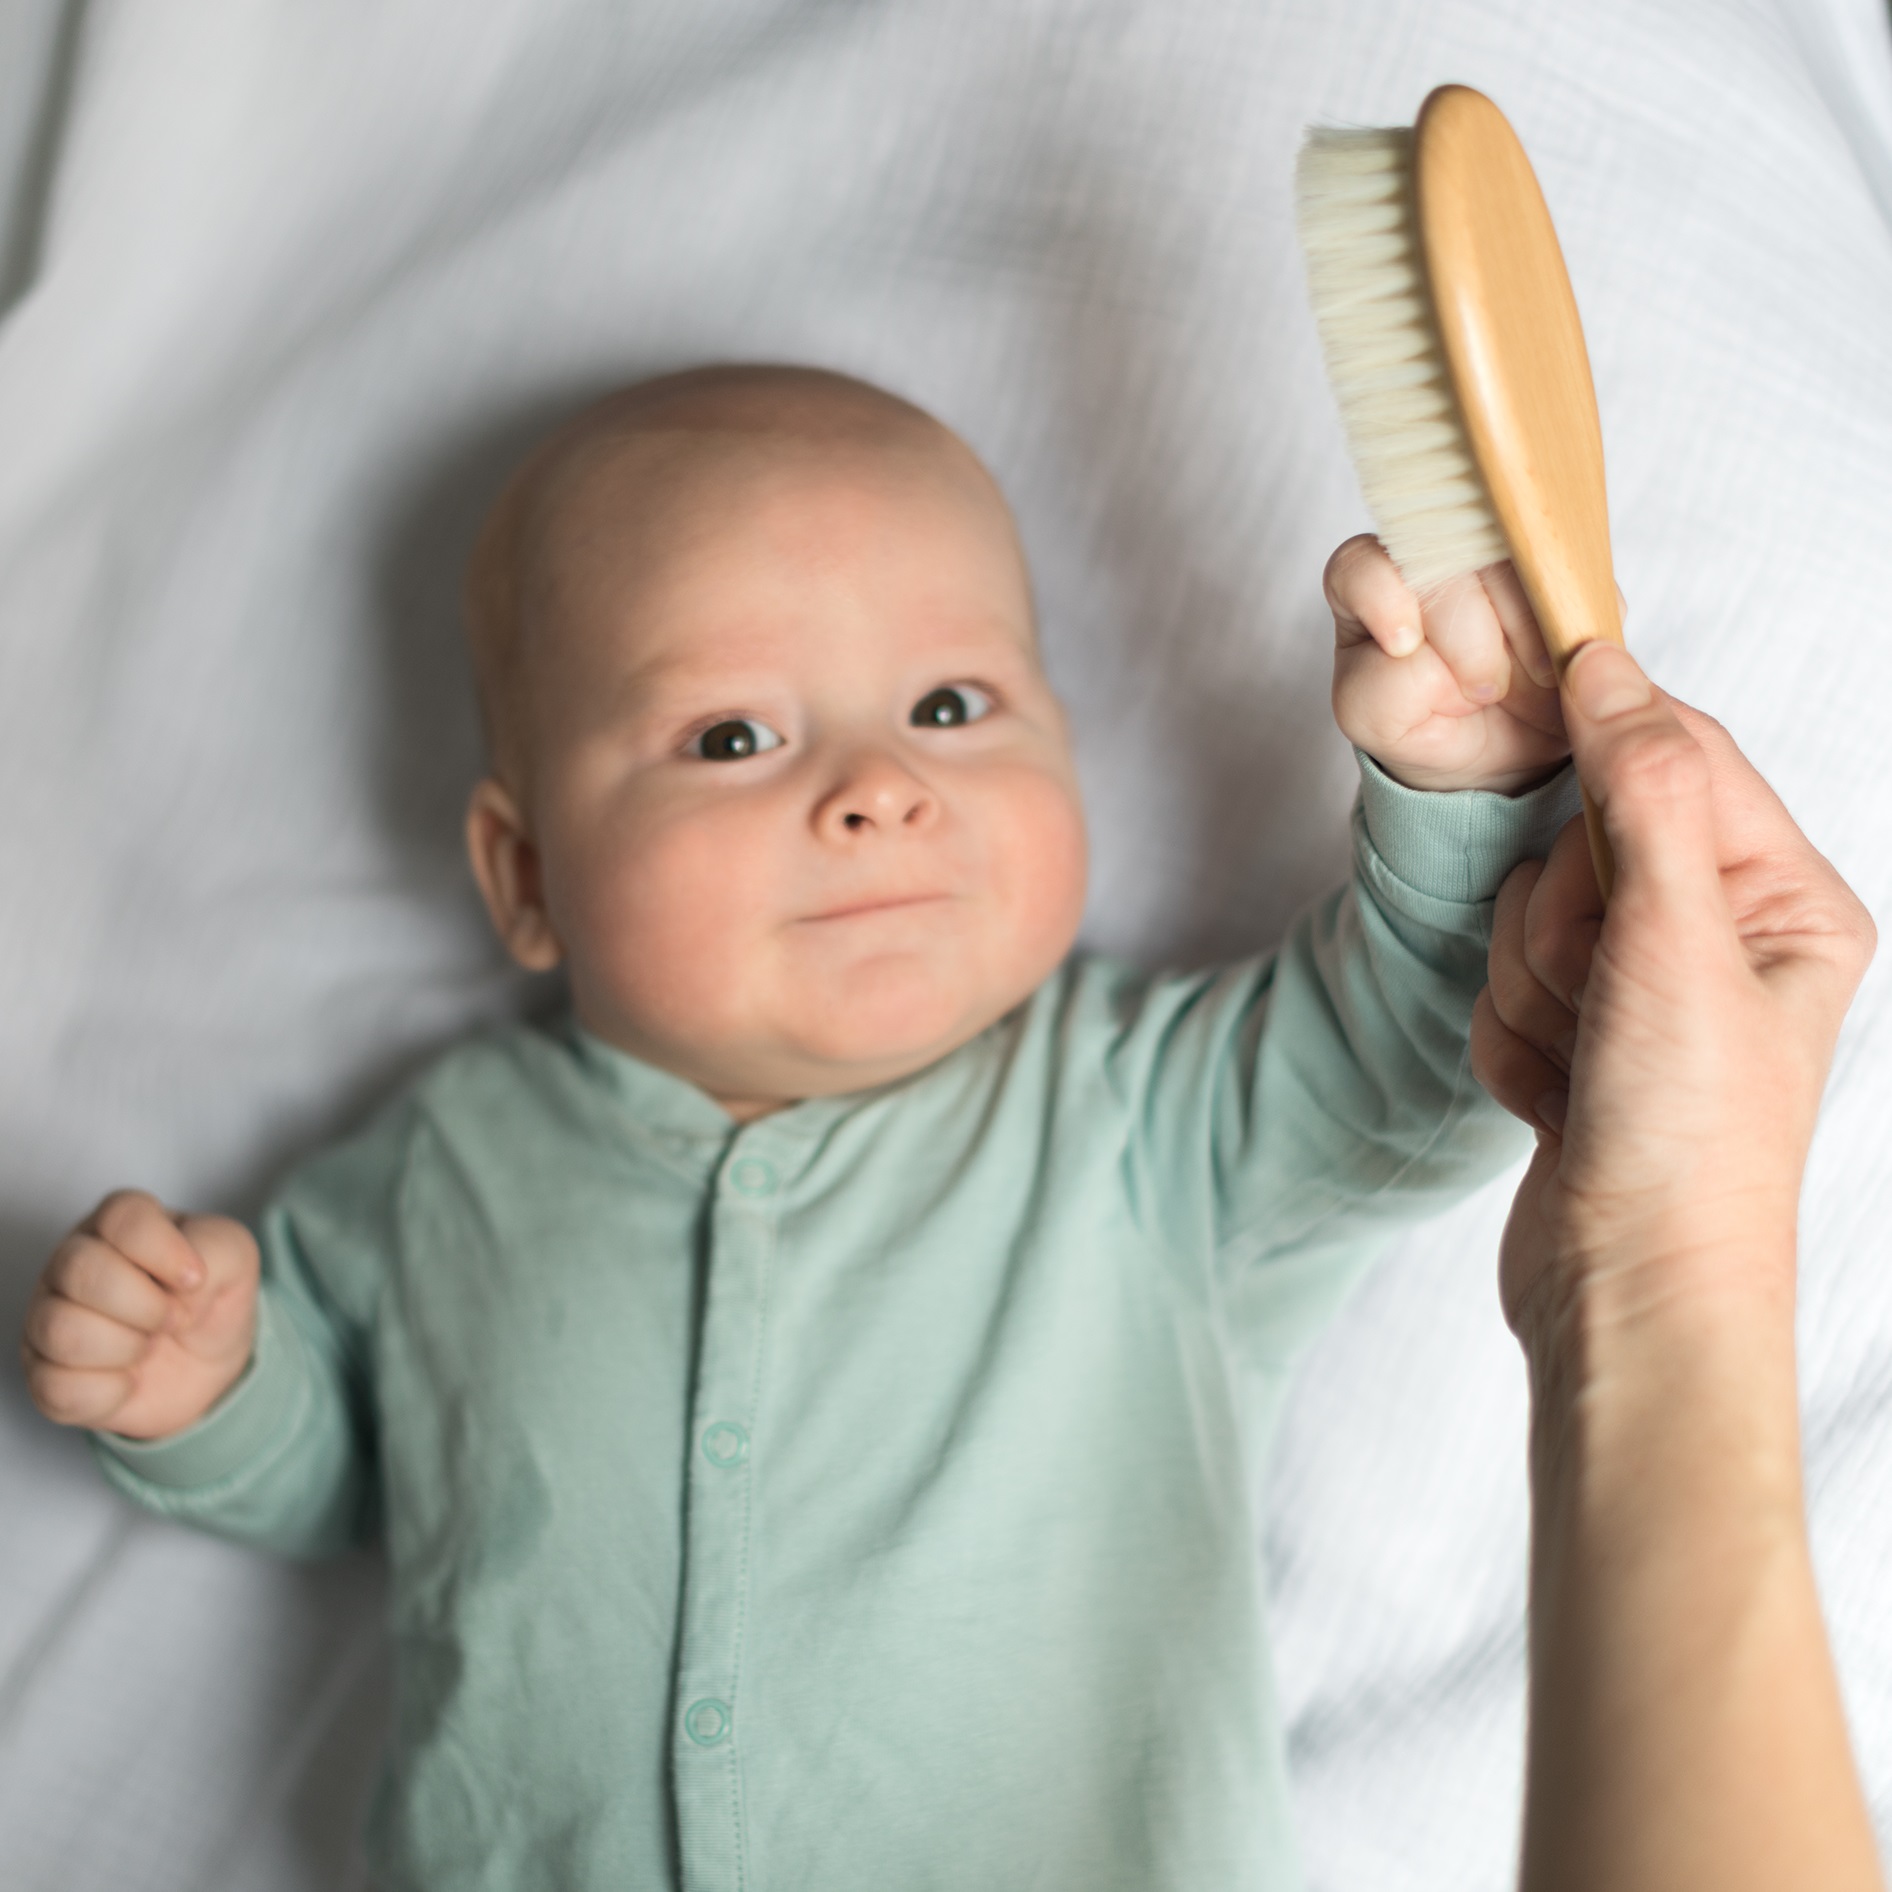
<point>1563,916</point>
<point>1525,1005</point>
<point>143,1231</point>
<point>93,1273</point>
<point>1369,599</point>
<point>1698,825</point>
<point>1517,1074</point>
<point>1651,781</point>
<point>1789,900</point>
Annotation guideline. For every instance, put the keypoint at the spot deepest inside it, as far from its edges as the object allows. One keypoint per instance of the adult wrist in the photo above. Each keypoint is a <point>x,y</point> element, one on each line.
<point>1681,1391</point>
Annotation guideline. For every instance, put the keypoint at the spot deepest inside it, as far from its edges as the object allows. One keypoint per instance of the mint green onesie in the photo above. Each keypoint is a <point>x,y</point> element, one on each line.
<point>865,1497</point>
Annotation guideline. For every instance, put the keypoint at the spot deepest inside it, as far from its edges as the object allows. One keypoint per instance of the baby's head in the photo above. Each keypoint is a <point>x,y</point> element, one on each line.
<point>777,775</point>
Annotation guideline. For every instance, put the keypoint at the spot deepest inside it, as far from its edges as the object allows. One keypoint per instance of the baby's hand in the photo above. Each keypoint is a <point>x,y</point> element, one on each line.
<point>142,1320</point>
<point>1457,693</point>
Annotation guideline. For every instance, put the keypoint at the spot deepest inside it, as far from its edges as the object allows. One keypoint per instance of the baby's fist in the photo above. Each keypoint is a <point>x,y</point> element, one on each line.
<point>1454,692</point>
<point>142,1320</point>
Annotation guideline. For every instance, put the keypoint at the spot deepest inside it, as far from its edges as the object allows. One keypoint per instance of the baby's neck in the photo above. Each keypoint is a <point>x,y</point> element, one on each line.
<point>748,1109</point>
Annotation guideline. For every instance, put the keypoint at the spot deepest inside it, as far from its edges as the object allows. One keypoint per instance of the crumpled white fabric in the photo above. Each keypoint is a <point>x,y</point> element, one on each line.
<point>284,289</point>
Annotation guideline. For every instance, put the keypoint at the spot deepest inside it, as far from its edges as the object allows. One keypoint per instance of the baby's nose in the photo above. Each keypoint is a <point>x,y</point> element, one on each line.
<point>875,795</point>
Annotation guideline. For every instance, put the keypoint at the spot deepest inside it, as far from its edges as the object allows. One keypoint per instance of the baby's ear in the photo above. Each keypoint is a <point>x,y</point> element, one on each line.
<point>506,864</point>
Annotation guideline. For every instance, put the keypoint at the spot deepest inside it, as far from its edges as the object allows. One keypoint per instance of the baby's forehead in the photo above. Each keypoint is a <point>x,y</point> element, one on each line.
<point>692,511</point>
<point>696,477</point>
<point>661,479</point>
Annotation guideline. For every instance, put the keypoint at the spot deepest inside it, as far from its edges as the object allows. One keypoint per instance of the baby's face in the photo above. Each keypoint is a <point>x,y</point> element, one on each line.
<point>802,802</point>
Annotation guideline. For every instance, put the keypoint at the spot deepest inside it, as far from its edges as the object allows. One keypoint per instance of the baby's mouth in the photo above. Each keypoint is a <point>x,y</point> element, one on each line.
<point>856,909</point>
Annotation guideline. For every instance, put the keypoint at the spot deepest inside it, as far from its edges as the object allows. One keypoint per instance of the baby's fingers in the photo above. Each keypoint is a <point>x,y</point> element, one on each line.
<point>219,1318</point>
<point>96,1275</point>
<point>1518,622</point>
<point>141,1229</point>
<point>1369,599</point>
<point>65,1334</point>
<point>1461,624</point>
<point>74,1396</point>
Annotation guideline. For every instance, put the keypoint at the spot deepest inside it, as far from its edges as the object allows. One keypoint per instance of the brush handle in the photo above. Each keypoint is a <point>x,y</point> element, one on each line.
<point>1513,346</point>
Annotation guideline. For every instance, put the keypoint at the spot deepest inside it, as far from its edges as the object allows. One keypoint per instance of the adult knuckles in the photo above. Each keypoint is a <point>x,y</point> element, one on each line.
<point>1558,945</point>
<point>1501,1061</point>
<point>1487,1032</point>
<point>1513,989</point>
<point>1862,934</point>
<point>1657,767</point>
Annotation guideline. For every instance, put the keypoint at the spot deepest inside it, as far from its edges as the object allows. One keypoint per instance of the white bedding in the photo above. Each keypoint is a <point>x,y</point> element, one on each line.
<point>287,287</point>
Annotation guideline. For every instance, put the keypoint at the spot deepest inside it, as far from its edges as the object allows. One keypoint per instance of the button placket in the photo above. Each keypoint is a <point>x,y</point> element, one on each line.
<point>706,1746</point>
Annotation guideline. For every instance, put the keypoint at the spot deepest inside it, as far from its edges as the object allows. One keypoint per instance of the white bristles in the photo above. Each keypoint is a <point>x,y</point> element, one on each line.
<point>1353,197</point>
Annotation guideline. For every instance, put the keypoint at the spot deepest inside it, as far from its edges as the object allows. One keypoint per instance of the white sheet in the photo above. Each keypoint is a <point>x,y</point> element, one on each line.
<point>290,286</point>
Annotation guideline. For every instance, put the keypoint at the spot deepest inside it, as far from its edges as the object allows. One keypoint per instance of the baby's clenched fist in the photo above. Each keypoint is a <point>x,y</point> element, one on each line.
<point>142,1320</point>
<point>1455,690</point>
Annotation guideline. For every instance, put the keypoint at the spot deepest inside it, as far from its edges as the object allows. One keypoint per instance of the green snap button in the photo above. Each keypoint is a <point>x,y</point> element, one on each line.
<point>753,1177</point>
<point>725,1443</point>
<point>706,1722</point>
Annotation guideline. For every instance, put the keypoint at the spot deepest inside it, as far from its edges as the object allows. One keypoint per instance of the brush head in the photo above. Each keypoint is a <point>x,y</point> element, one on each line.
<point>1357,210</point>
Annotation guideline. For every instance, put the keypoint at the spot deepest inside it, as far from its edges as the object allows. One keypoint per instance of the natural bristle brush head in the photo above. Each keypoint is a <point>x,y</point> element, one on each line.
<point>1454,346</point>
<point>1360,234</point>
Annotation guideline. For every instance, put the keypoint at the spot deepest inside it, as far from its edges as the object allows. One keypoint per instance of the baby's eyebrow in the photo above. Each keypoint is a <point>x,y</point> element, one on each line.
<point>666,688</point>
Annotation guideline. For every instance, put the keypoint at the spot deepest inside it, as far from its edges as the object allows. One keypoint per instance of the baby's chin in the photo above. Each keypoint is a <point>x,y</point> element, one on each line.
<point>819,1043</point>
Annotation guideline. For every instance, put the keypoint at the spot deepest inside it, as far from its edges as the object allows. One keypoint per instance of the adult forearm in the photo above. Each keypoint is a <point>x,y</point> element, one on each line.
<point>1686,1728</point>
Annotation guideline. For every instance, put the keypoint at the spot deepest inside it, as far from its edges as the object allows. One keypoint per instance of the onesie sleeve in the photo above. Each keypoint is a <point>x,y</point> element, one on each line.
<point>286,1459</point>
<point>1289,1113</point>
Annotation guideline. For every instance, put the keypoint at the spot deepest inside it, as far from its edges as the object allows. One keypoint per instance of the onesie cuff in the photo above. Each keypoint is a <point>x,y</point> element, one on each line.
<point>237,1428</point>
<point>1457,845</point>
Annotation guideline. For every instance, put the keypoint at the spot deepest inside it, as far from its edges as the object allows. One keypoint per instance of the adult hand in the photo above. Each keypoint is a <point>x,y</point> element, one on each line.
<point>1686,1733</point>
<point>1673,1055</point>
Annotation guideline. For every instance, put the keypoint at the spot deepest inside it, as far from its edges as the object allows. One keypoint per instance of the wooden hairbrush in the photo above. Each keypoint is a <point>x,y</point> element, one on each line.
<point>1456,354</point>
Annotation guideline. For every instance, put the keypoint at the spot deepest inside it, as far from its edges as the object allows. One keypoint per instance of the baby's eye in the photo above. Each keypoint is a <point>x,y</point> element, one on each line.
<point>740,736</point>
<point>950,705</point>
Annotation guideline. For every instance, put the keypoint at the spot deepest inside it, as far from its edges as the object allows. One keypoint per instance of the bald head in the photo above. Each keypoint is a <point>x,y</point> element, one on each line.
<point>672,456</point>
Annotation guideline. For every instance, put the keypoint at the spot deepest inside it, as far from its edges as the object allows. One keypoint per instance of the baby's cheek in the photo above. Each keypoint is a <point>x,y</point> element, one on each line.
<point>1041,856</point>
<point>668,916</point>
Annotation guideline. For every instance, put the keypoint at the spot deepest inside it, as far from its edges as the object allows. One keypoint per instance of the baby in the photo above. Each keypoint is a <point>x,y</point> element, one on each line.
<point>813,1393</point>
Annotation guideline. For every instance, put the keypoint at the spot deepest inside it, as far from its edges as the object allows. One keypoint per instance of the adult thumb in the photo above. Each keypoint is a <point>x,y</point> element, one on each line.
<point>1650,781</point>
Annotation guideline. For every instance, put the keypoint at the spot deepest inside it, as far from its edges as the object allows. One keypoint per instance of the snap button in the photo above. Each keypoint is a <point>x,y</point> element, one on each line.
<point>706,1722</point>
<point>725,1444</point>
<point>753,1177</point>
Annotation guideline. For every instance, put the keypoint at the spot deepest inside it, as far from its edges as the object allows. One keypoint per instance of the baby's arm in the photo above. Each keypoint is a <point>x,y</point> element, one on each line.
<point>218,1383</point>
<point>1293,1111</point>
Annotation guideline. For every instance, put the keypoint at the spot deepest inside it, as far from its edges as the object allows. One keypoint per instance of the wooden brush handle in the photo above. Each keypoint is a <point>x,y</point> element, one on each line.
<point>1514,349</point>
